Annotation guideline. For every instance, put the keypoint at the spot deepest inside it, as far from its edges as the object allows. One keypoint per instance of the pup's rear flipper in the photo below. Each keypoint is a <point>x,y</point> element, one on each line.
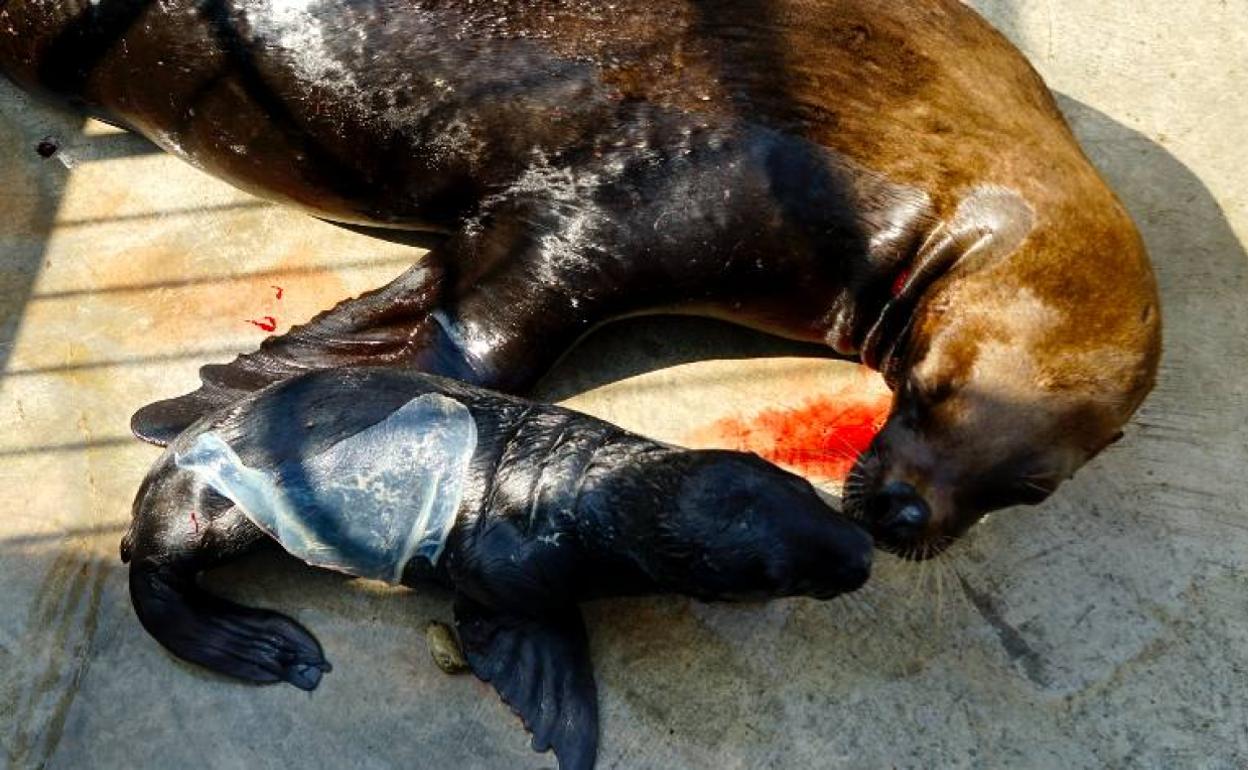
<point>542,670</point>
<point>256,645</point>
<point>388,326</point>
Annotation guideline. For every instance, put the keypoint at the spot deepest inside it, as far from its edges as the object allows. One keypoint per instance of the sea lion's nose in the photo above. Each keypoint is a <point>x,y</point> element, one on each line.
<point>900,514</point>
<point>857,569</point>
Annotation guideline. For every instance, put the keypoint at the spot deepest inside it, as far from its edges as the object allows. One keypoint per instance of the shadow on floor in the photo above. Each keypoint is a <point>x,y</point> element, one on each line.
<point>636,346</point>
<point>31,214</point>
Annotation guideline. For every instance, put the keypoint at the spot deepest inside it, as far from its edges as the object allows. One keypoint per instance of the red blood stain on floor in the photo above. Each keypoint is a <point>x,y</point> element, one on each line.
<point>268,323</point>
<point>820,439</point>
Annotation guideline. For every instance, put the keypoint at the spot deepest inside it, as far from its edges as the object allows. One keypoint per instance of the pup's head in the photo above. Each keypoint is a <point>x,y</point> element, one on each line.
<point>727,525</point>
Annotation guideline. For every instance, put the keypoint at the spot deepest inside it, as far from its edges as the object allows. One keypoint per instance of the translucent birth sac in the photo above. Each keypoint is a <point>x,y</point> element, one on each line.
<point>366,505</point>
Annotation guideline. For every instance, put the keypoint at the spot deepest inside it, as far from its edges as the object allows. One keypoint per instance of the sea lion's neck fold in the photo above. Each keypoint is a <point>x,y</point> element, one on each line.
<point>892,223</point>
<point>989,223</point>
<point>542,466</point>
<point>619,504</point>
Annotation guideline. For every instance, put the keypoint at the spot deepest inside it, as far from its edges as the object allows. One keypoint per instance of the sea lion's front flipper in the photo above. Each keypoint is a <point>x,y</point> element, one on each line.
<point>390,325</point>
<point>541,669</point>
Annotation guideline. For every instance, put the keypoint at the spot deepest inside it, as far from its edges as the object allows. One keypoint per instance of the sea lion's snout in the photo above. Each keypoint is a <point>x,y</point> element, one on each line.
<point>918,490</point>
<point>752,530</point>
<point>850,554</point>
<point>812,550</point>
<point>821,555</point>
<point>899,514</point>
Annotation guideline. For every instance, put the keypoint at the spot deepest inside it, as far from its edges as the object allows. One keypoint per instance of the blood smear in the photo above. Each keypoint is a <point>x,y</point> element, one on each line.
<point>820,440</point>
<point>899,283</point>
<point>268,323</point>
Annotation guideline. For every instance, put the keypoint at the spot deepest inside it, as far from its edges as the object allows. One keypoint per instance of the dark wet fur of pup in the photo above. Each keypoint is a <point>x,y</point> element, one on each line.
<point>556,508</point>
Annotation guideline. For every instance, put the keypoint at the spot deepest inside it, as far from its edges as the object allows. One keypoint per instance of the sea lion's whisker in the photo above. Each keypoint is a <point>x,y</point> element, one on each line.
<point>862,596</point>
<point>1037,487</point>
<point>855,605</point>
<point>920,576</point>
<point>943,562</point>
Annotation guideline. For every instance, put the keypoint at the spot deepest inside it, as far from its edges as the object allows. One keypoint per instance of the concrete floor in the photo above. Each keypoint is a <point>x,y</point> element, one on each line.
<point>1107,628</point>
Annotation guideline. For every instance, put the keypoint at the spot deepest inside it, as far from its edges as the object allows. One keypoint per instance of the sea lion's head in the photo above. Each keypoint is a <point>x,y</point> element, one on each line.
<point>1016,370</point>
<point>723,525</point>
<point>762,531</point>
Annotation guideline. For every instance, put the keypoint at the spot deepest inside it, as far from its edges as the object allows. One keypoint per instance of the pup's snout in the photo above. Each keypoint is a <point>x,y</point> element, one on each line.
<point>856,570</point>
<point>898,514</point>
<point>847,562</point>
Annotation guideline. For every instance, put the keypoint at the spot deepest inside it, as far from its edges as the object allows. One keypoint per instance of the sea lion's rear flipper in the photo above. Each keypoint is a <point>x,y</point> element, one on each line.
<point>256,645</point>
<point>541,669</point>
<point>390,325</point>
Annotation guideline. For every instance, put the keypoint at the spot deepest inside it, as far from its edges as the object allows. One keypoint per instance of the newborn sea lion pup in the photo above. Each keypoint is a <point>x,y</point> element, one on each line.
<point>522,509</point>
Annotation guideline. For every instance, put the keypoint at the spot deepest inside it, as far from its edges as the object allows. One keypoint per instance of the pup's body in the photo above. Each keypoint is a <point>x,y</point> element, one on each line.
<point>523,510</point>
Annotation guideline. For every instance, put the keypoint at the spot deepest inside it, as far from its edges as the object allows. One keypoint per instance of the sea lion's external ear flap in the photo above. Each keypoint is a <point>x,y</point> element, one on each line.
<point>389,325</point>
<point>541,669</point>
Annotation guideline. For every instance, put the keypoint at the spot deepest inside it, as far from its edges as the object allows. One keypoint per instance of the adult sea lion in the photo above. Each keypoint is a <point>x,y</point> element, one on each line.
<point>891,179</point>
<point>522,509</point>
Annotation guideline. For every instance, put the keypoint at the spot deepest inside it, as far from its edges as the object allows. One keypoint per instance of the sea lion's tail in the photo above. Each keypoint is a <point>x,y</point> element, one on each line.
<point>252,644</point>
<point>392,325</point>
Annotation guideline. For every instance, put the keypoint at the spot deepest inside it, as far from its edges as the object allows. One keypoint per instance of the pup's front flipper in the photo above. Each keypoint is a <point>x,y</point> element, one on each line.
<point>393,325</point>
<point>541,669</point>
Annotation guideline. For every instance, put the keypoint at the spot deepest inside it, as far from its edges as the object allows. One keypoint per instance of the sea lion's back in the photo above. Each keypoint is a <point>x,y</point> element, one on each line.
<point>884,83</point>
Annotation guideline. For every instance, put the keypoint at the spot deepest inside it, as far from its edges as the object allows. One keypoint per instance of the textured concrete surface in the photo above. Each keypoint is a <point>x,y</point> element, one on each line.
<point>1107,628</point>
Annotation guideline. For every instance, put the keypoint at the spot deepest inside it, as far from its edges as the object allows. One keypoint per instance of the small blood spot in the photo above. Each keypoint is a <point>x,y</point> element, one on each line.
<point>267,323</point>
<point>195,521</point>
<point>280,291</point>
<point>900,282</point>
<point>47,148</point>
